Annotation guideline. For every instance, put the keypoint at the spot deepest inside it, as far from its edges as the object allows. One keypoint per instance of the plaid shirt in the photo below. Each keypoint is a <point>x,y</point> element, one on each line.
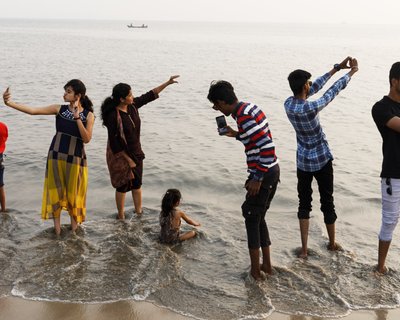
<point>312,147</point>
<point>254,133</point>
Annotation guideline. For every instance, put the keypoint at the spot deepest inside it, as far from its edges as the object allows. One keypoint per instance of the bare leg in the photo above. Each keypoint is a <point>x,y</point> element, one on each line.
<point>255,263</point>
<point>332,246</point>
<point>57,223</point>
<point>3,199</point>
<point>382,253</point>
<point>137,200</point>
<point>187,235</point>
<point>266,265</point>
<point>120,201</point>
<point>74,224</point>
<point>304,226</point>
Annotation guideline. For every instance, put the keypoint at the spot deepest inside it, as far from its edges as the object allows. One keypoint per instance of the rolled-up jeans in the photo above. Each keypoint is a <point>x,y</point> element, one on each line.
<point>390,189</point>
<point>324,179</point>
<point>255,207</point>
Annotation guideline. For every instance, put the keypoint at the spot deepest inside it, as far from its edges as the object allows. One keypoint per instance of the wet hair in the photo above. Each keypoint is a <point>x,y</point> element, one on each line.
<point>79,88</point>
<point>297,79</point>
<point>221,90</point>
<point>394,72</point>
<point>169,201</point>
<point>120,91</point>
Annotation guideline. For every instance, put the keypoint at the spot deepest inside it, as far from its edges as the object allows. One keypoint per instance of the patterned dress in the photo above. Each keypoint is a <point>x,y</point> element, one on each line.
<point>169,233</point>
<point>66,177</point>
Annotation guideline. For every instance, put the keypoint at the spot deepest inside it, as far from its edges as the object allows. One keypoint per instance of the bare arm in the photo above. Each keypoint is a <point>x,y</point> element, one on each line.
<point>394,124</point>
<point>188,220</point>
<point>49,110</point>
<point>161,87</point>
<point>86,132</point>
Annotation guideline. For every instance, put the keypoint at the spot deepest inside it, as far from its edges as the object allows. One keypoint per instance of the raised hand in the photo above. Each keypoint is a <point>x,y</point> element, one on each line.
<point>345,64</point>
<point>172,79</point>
<point>76,109</point>
<point>353,63</point>
<point>353,66</point>
<point>7,96</point>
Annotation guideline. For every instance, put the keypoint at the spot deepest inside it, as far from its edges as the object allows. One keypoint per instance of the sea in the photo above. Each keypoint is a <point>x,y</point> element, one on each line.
<point>206,277</point>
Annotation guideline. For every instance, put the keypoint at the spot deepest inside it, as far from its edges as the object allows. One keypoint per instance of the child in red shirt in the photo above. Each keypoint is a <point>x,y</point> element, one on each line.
<point>3,139</point>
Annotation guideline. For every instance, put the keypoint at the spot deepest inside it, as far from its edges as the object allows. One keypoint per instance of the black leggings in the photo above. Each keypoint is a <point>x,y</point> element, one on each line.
<point>254,209</point>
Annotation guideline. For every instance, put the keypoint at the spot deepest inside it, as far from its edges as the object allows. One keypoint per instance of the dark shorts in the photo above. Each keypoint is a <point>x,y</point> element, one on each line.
<point>254,209</point>
<point>1,170</point>
<point>135,183</point>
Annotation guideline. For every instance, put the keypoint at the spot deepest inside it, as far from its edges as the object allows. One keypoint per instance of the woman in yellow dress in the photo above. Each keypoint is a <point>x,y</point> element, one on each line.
<point>66,176</point>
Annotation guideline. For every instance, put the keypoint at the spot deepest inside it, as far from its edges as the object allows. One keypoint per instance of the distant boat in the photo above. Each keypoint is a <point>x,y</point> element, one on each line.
<point>143,26</point>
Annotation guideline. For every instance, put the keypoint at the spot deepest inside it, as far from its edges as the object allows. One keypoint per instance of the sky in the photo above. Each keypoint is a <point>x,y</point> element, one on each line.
<point>312,11</point>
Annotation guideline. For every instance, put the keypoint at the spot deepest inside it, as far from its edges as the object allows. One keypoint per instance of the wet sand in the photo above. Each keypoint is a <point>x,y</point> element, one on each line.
<point>13,308</point>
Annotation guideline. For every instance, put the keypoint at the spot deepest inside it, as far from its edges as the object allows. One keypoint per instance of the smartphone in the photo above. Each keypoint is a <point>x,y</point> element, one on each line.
<point>221,124</point>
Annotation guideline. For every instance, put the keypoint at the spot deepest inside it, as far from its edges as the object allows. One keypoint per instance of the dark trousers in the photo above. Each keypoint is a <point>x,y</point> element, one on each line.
<point>324,179</point>
<point>255,207</point>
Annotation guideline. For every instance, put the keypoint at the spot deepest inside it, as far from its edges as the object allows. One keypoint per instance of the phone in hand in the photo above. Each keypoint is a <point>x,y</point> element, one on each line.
<point>221,124</point>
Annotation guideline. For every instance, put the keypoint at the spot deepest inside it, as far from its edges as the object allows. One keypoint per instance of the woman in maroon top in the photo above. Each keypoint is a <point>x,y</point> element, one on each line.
<point>124,152</point>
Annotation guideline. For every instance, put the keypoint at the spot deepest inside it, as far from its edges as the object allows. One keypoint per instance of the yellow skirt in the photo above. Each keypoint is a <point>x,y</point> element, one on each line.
<point>65,186</point>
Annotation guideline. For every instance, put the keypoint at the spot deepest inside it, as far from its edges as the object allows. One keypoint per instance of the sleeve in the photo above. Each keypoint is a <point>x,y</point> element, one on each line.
<point>114,139</point>
<point>3,131</point>
<point>267,154</point>
<point>259,135</point>
<point>381,114</point>
<point>319,83</point>
<point>330,94</point>
<point>145,98</point>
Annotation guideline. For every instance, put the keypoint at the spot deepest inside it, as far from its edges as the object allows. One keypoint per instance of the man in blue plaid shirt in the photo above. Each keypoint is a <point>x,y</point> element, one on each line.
<point>314,159</point>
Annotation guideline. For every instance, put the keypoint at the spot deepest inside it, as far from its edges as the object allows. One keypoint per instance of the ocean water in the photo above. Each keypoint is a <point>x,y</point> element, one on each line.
<point>206,277</point>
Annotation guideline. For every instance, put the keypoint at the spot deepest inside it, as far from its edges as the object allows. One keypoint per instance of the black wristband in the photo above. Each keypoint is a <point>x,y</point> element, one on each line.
<point>337,67</point>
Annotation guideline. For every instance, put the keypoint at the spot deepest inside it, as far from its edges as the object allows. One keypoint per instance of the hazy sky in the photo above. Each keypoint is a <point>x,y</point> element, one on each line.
<point>347,11</point>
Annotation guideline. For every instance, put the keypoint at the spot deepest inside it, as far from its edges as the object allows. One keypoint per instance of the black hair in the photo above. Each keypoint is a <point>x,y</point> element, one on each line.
<point>297,79</point>
<point>121,90</point>
<point>394,72</point>
<point>169,201</point>
<point>79,88</point>
<point>221,90</point>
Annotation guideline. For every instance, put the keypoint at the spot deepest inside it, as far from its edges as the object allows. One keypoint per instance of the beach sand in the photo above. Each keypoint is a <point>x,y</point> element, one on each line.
<point>13,308</point>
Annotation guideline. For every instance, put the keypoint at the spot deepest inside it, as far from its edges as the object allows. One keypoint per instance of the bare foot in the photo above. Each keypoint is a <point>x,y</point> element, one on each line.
<point>381,271</point>
<point>256,275</point>
<point>266,269</point>
<point>120,216</point>
<point>335,247</point>
<point>302,254</point>
<point>263,275</point>
<point>74,225</point>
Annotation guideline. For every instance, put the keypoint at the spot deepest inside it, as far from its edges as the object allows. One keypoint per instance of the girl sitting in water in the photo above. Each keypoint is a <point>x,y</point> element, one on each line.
<point>170,218</point>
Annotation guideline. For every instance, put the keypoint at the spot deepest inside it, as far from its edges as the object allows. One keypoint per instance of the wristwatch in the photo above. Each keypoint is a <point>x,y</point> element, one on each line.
<point>336,66</point>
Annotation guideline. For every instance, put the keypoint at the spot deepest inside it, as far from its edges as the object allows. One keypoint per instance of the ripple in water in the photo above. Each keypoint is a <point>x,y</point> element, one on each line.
<point>109,260</point>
